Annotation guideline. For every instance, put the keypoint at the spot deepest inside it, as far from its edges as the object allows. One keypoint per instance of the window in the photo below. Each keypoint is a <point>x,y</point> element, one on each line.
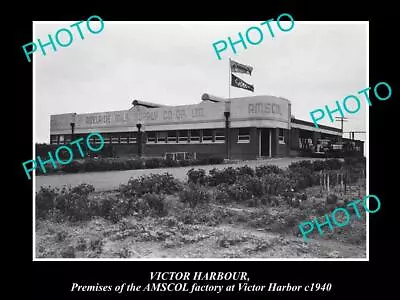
<point>172,136</point>
<point>106,138</point>
<point>219,135</point>
<point>244,135</point>
<point>281,136</point>
<point>67,139</point>
<point>92,140</point>
<point>114,140</point>
<point>61,141</point>
<point>207,136</point>
<point>123,140</point>
<point>53,140</point>
<point>195,136</point>
<point>151,137</point>
<point>162,137</point>
<point>183,136</point>
<point>132,138</point>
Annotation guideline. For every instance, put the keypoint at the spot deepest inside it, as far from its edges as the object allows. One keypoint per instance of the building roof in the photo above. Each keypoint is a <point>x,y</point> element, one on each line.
<point>311,124</point>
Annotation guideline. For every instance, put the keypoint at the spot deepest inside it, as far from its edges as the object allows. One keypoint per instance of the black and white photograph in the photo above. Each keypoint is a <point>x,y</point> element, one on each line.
<point>191,140</point>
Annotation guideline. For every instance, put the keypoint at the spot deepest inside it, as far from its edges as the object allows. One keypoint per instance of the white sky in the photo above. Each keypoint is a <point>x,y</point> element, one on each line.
<point>313,65</point>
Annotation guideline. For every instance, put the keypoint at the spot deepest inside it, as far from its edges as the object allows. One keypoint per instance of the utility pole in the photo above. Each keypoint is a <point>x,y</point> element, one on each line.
<point>341,119</point>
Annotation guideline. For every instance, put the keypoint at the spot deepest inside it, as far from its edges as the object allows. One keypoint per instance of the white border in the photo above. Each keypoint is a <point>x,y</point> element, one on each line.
<point>198,259</point>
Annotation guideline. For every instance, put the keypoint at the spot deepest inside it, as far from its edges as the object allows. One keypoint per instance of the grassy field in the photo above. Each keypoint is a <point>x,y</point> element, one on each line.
<point>110,180</point>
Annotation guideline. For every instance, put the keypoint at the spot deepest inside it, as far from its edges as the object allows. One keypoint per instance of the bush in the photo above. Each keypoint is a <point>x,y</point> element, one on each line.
<point>186,162</point>
<point>170,163</point>
<point>209,161</point>
<point>302,178</point>
<point>215,160</point>
<point>157,183</point>
<point>155,203</point>
<point>253,185</point>
<point>194,194</point>
<point>113,208</point>
<point>45,198</point>
<point>153,163</point>
<point>221,194</point>
<point>72,167</point>
<point>276,184</point>
<point>333,164</point>
<point>320,165</point>
<point>268,169</point>
<point>216,177</point>
<point>136,164</point>
<point>301,165</point>
<point>197,176</point>
<point>245,170</point>
<point>355,161</point>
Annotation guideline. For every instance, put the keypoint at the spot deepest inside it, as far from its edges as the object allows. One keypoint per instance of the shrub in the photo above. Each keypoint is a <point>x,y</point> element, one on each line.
<point>169,163</point>
<point>215,160</point>
<point>254,185</point>
<point>186,162</point>
<point>216,177</point>
<point>153,163</point>
<point>221,194</point>
<point>333,164</point>
<point>113,208</point>
<point>155,203</point>
<point>157,183</point>
<point>320,165</point>
<point>197,176</point>
<point>74,202</point>
<point>276,184</point>
<point>301,165</point>
<point>72,167</point>
<point>45,198</point>
<point>245,170</point>
<point>209,160</point>
<point>136,164</point>
<point>267,169</point>
<point>301,178</point>
<point>194,194</point>
<point>331,199</point>
<point>238,192</point>
<point>355,160</point>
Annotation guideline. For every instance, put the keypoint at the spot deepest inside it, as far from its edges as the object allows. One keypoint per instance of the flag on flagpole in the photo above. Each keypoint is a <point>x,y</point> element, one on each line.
<point>240,68</point>
<point>239,83</point>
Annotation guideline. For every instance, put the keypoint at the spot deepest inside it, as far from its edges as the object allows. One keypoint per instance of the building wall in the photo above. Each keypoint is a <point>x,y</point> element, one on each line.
<point>244,150</point>
<point>216,149</point>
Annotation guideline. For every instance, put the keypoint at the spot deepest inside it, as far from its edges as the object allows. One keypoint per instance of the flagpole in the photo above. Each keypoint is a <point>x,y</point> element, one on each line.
<point>230,77</point>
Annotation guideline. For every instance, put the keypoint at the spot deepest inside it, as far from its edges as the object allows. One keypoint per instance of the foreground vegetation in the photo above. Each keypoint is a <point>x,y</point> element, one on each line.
<point>238,212</point>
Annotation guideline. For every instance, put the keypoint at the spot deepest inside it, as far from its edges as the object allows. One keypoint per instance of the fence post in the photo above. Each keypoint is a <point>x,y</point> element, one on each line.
<point>320,181</point>
<point>328,182</point>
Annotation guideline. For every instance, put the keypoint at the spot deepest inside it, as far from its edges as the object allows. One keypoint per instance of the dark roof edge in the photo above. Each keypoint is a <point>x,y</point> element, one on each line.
<point>301,122</point>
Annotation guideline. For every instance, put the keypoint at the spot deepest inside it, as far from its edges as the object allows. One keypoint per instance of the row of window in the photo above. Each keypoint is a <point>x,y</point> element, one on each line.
<point>162,137</point>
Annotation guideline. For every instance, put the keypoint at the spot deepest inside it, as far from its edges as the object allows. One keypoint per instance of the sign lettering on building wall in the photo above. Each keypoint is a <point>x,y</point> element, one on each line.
<point>260,107</point>
<point>181,114</point>
<point>265,108</point>
<point>107,119</point>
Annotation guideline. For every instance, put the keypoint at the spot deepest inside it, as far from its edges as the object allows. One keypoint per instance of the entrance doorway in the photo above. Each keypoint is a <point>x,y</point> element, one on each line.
<point>265,142</point>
